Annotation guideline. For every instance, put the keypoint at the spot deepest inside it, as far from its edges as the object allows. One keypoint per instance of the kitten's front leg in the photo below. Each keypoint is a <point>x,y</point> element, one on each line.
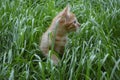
<point>54,58</point>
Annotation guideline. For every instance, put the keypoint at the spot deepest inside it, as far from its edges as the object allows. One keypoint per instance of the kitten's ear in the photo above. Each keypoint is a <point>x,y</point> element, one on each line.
<point>66,10</point>
<point>65,14</point>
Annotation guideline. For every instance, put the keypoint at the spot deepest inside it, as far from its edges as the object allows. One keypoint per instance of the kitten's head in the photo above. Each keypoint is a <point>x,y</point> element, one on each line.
<point>68,20</point>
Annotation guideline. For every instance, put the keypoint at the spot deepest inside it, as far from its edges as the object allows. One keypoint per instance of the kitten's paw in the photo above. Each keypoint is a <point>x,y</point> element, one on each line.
<point>55,59</point>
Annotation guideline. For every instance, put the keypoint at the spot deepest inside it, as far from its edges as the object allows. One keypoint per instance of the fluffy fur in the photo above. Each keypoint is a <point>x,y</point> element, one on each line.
<point>62,24</point>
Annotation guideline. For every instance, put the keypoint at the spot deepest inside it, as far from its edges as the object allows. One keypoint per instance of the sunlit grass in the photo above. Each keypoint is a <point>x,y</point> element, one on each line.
<point>91,53</point>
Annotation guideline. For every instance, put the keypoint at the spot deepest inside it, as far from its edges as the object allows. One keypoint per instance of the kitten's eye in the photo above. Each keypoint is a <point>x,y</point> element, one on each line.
<point>74,22</point>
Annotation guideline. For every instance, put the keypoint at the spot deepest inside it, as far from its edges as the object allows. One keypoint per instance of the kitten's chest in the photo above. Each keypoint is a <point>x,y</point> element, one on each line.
<point>60,41</point>
<point>60,44</point>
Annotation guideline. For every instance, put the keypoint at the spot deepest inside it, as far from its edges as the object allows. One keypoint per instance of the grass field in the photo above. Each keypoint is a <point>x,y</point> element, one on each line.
<point>93,53</point>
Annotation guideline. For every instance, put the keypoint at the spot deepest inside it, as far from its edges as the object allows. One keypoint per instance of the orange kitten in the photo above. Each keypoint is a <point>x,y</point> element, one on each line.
<point>63,23</point>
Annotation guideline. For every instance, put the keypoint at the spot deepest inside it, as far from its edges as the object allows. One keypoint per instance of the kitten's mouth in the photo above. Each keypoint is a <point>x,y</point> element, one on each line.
<point>72,29</point>
<point>78,25</point>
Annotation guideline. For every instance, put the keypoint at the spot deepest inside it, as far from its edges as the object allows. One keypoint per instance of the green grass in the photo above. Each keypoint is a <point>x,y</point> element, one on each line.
<point>93,53</point>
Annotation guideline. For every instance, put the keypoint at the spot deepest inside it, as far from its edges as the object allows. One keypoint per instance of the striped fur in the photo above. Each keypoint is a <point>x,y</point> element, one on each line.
<point>65,22</point>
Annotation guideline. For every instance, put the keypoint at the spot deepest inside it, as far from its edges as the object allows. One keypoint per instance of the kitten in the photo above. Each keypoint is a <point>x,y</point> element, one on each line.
<point>62,24</point>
